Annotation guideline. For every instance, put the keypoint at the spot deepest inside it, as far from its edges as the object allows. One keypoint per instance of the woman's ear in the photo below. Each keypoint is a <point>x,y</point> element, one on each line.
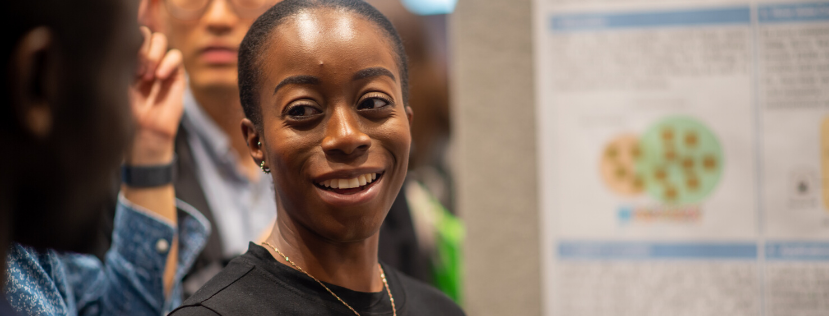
<point>254,141</point>
<point>409,115</point>
<point>32,74</point>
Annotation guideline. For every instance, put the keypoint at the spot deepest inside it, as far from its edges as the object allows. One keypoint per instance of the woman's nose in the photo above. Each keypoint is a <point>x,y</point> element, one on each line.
<point>344,136</point>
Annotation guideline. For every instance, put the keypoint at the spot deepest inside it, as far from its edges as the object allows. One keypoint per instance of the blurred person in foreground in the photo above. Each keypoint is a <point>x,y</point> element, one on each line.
<point>76,105</point>
<point>215,174</point>
<point>324,87</point>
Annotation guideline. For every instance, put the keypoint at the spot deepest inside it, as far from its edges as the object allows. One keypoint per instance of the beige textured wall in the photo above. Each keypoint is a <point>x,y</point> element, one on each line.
<point>495,154</point>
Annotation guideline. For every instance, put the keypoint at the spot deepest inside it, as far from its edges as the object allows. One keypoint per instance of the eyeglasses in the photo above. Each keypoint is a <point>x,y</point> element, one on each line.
<point>193,9</point>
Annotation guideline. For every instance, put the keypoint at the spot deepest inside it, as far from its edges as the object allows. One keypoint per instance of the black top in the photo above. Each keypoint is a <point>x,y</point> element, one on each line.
<point>256,284</point>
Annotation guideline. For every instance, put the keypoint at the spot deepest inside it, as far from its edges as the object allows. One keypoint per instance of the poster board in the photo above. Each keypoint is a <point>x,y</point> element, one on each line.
<point>684,157</point>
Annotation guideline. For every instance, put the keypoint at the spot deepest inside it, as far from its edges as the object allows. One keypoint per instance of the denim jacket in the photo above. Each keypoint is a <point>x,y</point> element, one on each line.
<point>129,282</point>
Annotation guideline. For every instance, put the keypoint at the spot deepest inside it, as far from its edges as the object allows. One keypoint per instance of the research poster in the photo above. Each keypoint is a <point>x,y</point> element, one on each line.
<point>684,157</point>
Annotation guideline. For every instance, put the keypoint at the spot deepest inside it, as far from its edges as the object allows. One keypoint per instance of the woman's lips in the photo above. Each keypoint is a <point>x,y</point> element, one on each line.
<point>345,192</point>
<point>358,182</point>
<point>219,55</point>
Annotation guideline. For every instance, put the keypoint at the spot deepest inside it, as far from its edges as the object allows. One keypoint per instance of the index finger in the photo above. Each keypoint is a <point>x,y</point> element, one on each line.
<point>143,50</point>
<point>158,48</point>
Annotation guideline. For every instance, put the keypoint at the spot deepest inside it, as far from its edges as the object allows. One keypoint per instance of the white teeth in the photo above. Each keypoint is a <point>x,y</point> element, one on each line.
<point>358,181</point>
<point>353,183</point>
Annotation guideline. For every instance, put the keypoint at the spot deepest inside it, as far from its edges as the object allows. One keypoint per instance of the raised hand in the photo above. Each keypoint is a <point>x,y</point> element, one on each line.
<point>157,102</point>
<point>156,99</point>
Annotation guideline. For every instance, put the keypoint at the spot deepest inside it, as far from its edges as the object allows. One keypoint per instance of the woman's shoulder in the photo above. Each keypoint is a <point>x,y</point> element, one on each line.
<point>424,299</point>
<point>225,290</point>
<point>248,285</point>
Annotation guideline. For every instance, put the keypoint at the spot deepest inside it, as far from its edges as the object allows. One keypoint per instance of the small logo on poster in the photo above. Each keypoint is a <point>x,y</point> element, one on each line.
<point>656,213</point>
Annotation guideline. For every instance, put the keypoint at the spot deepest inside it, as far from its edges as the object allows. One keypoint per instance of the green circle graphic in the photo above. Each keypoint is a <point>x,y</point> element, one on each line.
<point>680,161</point>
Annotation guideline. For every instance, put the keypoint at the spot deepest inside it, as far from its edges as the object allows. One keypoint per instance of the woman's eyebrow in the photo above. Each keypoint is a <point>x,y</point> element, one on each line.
<point>299,79</point>
<point>372,72</point>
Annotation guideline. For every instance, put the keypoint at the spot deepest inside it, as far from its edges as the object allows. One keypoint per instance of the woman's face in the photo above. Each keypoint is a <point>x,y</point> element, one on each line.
<point>335,130</point>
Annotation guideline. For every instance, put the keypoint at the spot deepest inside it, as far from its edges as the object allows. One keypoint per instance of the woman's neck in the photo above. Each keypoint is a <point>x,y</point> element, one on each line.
<point>352,265</point>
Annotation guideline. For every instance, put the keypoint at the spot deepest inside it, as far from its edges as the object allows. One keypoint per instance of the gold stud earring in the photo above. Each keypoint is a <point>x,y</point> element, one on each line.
<point>264,169</point>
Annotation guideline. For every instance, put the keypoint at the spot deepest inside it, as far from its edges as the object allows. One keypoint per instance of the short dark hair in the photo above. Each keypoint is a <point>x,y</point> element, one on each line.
<point>255,41</point>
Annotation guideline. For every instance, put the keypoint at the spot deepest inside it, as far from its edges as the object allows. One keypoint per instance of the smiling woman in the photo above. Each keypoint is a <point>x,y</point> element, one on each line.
<point>324,88</point>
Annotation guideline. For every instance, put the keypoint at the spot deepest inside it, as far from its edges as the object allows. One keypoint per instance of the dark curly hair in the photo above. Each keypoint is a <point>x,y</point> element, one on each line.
<point>256,41</point>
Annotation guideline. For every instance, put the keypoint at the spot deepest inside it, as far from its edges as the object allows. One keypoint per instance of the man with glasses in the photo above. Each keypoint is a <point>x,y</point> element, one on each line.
<point>215,173</point>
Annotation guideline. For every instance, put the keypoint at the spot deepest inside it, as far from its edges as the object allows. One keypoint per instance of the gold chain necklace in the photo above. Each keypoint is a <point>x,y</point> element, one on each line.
<point>382,276</point>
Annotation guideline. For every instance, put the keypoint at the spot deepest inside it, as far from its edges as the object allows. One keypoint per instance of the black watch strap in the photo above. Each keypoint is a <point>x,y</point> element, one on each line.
<point>149,176</point>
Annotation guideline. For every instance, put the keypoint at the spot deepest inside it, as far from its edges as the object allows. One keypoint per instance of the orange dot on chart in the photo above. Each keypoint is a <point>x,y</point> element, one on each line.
<point>709,163</point>
<point>670,193</point>
<point>612,152</point>
<point>638,183</point>
<point>660,174</point>
<point>635,152</point>
<point>670,155</point>
<point>688,163</point>
<point>667,134</point>
<point>691,139</point>
<point>621,172</point>
<point>693,183</point>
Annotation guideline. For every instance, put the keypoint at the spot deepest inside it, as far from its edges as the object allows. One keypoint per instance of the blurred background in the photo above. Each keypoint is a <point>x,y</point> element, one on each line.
<point>633,157</point>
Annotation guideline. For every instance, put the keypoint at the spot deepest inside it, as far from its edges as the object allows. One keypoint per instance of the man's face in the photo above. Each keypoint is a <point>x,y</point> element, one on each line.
<point>209,42</point>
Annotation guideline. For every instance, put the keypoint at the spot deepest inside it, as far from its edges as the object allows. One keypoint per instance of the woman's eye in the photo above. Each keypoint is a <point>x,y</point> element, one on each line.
<point>301,111</point>
<point>372,103</point>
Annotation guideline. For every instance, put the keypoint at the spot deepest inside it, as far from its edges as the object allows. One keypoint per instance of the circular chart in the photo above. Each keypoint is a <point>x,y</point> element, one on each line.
<point>618,165</point>
<point>680,160</point>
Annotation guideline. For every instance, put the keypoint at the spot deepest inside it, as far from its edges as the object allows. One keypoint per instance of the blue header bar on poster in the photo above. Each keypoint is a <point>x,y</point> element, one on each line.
<point>598,250</point>
<point>800,12</point>
<point>694,17</point>
<point>797,251</point>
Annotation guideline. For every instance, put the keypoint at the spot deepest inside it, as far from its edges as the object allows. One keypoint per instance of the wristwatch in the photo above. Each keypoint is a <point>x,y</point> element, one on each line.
<point>149,176</point>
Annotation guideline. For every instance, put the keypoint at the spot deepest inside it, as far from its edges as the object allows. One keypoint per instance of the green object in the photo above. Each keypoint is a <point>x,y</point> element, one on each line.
<point>680,161</point>
<point>443,234</point>
<point>447,267</point>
